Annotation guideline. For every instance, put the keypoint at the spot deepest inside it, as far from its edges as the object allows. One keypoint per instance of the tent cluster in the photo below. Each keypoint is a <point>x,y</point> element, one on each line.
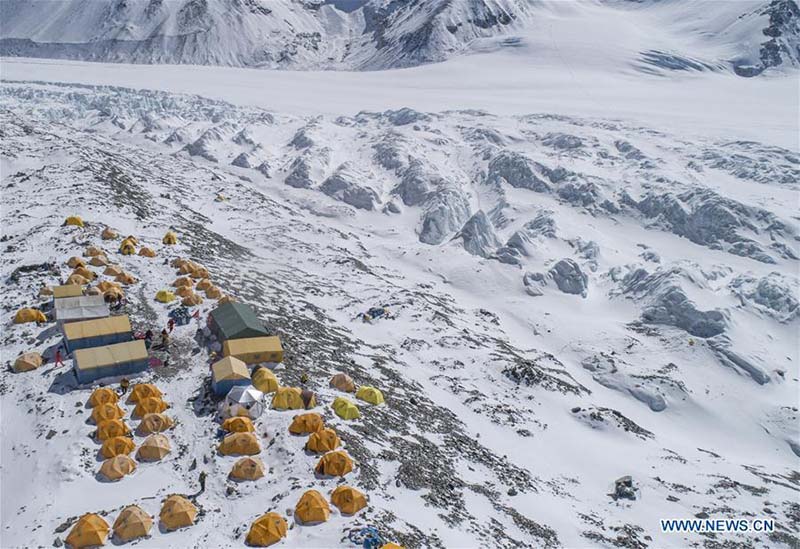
<point>193,279</point>
<point>133,522</point>
<point>115,436</point>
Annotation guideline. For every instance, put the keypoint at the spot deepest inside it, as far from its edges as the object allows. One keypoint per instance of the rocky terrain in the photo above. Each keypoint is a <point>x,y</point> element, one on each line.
<point>573,300</point>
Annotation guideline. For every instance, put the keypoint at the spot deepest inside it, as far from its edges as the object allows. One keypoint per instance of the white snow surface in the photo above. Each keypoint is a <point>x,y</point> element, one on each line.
<point>508,415</point>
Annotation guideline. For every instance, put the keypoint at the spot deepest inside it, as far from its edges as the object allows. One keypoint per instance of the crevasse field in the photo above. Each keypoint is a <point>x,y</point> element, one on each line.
<point>589,255</point>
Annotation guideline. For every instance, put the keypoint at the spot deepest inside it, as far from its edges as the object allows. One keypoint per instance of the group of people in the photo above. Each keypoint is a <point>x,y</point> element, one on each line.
<point>165,337</point>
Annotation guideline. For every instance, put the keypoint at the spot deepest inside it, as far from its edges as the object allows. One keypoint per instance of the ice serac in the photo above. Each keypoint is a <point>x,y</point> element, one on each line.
<point>711,220</point>
<point>569,277</point>
<point>518,171</point>
<point>445,212</point>
<point>773,294</point>
<point>478,235</point>
<point>349,185</point>
<point>666,302</point>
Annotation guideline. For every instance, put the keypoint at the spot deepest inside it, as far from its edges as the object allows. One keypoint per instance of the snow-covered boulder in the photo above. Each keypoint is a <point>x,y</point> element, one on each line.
<point>478,235</point>
<point>569,278</point>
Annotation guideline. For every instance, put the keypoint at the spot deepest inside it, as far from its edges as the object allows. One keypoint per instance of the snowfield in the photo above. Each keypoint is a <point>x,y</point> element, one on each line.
<point>591,269</point>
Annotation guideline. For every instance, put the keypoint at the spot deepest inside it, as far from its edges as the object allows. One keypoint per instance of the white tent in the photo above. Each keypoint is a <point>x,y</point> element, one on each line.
<point>243,401</point>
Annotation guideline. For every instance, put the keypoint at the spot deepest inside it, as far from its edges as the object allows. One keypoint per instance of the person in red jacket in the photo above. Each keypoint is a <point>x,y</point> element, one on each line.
<point>58,360</point>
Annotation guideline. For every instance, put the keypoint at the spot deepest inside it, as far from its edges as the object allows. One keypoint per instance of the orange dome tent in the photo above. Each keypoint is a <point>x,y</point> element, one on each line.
<point>324,440</point>
<point>117,467</point>
<point>132,523</point>
<point>266,530</point>
<point>336,464</point>
<point>117,446</point>
<point>91,529</point>
<point>150,405</point>
<point>349,500</point>
<point>111,428</point>
<point>177,512</point>
<point>144,390</point>
<point>312,508</point>
<point>103,395</point>
<point>154,423</point>
<point>105,412</point>
<point>248,468</point>
<point>306,423</point>
<point>238,424</point>
<point>240,444</point>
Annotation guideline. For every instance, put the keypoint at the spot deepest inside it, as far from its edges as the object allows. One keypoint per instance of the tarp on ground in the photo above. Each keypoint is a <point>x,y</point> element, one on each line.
<point>97,332</point>
<point>236,321</point>
<point>110,360</point>
<point>253,350</point>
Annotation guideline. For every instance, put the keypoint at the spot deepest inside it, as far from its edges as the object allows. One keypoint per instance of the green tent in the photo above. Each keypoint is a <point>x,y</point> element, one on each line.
<point>236,321</point>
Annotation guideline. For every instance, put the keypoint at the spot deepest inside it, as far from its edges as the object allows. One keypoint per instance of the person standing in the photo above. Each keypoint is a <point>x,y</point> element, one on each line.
<point>171,324</point>
<point>59,360</point>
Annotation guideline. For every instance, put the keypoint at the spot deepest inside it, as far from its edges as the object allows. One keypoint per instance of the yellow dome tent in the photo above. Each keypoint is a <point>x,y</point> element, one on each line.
<point>186,267</point>
<point>306,423</point>
<point>248,468</point>
<point>132,239</point>
<point>106,285</point>
<point>369,394</point>
<point>203,284</point>
<point>345,409</point>
<point>85,273</point>
<point>184,291</point>
<point>150,405</point>
<point>240,444</point>
<point>165,296</point>
<point>27,362</point>
<point>92,290</point>
<point>266,530</point>
<point>312,508</point>
<point>76,280</point>
<point>144,251</point>
<point>154,423</point>
<point>265,381</point>
<point>117,446</point>
<point>132,523</point>
<point>212,292</point>
<point>349,500</point>
<point>199,272</point>
<point>238,424</point>
<point>111,428</point>
<point>125,278</point>
<point>113,294</point>
<point>141,391</point>
<point>113,270</point>
<point>109,234</point>
<point>343,382</point>
<point>183,281</point>
<point>177,512</point>
<point>127,247</point>
<point>45,291</point>
<point>225,299</point>
<point>178,262</point>
<point>91,529</point>
<point>93,251</point>
<point>170,238</point>
<point>117,467</point>
<point>288,398</point>
<point>391,545</point>
<point>74,262</point>
<point>73,220</point>
<point>29,315</point>
<point>98,261</point>
<point>154,448</point>
<point>324,440</point>
<point>335,464</point>
<point>105,412</point>
<point>192,300</point>
<point>103,395</point>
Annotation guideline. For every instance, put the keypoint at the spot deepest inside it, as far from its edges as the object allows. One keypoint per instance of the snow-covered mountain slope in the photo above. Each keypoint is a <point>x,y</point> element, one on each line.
<point>746,37</point>
<point>576,299</point>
